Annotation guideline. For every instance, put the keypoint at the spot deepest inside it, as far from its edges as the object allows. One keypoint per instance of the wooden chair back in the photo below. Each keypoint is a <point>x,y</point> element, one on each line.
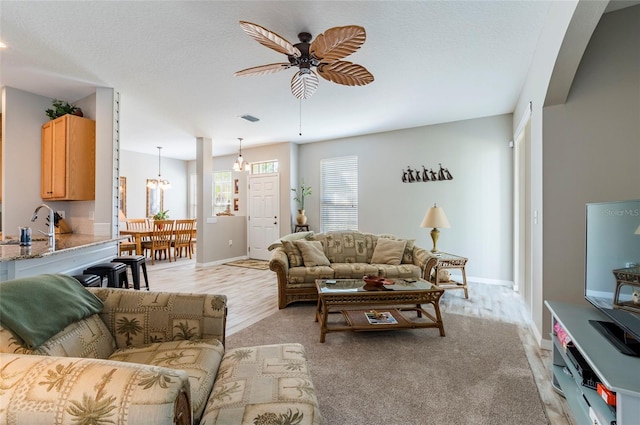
<point>137,224</point>
<point>160,239</point>
<point>162,233</point>
<point>183,234</point>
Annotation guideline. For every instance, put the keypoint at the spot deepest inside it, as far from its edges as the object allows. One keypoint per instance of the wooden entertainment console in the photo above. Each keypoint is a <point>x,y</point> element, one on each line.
<point>617,372</point>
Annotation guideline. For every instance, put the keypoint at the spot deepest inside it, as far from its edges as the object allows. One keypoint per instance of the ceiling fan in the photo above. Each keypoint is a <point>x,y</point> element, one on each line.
<point>323,53</point>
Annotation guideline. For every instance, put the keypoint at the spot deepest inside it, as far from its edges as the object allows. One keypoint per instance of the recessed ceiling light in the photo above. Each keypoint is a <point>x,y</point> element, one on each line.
<point>250,118</point>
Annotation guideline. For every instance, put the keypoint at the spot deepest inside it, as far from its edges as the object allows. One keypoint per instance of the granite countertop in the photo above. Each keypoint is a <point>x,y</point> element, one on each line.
<point>10,249</point>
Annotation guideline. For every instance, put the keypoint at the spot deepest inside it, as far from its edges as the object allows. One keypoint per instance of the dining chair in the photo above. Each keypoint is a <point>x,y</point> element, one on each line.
<point>182,235</point>
<point>139,224</point>
<point>127,245</point>
<point>160,240</point>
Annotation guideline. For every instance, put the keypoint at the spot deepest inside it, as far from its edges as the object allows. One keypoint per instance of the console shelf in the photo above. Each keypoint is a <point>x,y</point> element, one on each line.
<point>616,371</point>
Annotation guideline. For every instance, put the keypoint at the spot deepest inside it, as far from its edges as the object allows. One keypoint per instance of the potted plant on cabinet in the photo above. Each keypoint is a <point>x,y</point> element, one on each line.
<point>61,107</point>
<point>300,194</point>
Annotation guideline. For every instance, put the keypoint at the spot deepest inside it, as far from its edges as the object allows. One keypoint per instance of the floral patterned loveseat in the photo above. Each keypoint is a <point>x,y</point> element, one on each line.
<point>348,255</point>
<point>138,357</point>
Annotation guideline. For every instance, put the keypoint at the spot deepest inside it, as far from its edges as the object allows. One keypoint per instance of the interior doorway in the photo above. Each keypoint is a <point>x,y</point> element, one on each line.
<point>264,214</point>
<point>522,211</point>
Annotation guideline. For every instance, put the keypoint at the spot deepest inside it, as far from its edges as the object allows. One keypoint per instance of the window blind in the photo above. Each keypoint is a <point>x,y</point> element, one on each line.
<point>339,194</point>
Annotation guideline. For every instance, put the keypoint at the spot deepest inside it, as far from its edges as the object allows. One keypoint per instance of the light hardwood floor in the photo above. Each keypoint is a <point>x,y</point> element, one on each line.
<point>252,296</point>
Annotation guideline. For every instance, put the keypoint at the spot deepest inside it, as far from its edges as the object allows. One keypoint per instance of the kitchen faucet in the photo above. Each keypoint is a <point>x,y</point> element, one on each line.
<point>52,232</point>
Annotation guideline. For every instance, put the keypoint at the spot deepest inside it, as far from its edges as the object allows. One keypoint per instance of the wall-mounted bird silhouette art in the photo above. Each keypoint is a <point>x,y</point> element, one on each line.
<point>414,175</point>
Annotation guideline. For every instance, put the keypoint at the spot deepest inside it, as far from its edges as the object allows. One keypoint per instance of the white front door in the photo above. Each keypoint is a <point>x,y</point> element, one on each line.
<point>264,214</point>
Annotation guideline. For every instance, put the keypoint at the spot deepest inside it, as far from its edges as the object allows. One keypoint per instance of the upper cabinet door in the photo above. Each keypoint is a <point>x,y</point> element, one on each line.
<point>68,159</point>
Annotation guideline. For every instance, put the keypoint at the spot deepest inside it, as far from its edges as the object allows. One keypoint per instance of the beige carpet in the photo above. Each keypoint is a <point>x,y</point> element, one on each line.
<point>250,264</point>
<point>478,374</point>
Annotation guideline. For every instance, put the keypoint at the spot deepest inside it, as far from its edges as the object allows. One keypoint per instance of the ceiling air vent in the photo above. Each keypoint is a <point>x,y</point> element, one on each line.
<point>250,118</point>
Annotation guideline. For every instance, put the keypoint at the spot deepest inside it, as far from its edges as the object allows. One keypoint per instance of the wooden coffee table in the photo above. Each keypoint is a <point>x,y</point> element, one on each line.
<point>347,296</point>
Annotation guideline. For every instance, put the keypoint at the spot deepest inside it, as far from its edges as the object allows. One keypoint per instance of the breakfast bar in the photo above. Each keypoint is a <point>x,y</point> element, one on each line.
<point>73,252</point>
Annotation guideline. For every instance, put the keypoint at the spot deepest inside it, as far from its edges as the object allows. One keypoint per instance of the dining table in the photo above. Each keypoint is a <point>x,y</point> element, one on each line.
<point>139,235</point>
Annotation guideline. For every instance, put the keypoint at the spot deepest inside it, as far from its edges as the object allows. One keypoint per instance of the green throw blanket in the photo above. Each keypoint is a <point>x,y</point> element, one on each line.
<point>36,308</point>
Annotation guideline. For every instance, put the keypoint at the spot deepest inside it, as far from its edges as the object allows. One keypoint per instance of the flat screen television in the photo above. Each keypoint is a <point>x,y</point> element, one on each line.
<point>613,242</point>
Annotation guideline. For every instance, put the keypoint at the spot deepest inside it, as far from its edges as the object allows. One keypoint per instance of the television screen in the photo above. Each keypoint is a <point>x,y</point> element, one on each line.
<point>613,242</point>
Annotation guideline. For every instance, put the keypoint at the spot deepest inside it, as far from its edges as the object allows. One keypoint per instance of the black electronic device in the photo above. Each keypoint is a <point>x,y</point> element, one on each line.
<point>613,242</point>
<point>589,378</point>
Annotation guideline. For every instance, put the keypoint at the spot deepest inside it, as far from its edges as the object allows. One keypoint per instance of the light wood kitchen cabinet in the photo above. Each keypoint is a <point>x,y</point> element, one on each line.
<point>69,159</point>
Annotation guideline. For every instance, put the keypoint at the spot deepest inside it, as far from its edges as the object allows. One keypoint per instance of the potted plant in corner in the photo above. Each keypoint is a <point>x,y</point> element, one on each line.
<point>300,194</point>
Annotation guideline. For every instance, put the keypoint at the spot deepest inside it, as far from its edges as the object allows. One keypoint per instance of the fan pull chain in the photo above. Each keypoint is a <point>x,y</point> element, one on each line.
<point>300,118</point>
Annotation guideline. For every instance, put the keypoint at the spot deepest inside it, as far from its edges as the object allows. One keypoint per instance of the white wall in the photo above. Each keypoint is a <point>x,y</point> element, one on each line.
<point>534,91</point>
<point>591,149</point>
<point>478,201</point>
<point>234,228</point>
<point>23,116</point>
<point>138,167</point>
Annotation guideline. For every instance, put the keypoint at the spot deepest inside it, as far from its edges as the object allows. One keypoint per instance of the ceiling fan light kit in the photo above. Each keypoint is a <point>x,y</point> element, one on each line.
<point>323,53</point>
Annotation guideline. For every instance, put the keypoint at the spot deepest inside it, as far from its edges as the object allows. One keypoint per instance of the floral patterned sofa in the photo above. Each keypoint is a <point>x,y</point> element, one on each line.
<point>347,255</point>
<point>138,357</point>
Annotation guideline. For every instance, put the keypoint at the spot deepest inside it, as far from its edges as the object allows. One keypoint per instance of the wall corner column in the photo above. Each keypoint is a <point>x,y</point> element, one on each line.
<point>204,170</point>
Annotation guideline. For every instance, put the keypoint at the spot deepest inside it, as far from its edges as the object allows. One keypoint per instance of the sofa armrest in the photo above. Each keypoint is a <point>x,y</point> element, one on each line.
<point>279,263</point>
<point>420,258</point>
<point>279,260</point>
<point>54,390</point>
<point>142,317</point>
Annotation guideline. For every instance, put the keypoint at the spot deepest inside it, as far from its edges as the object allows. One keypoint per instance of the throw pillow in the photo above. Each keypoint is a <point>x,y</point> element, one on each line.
<point>407,257</point>
<point>293,253</point>
<point>388,251</point>
<point>312,253</point>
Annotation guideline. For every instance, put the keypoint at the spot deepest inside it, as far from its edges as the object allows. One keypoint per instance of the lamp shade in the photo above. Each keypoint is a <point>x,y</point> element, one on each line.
<point>435,217</point>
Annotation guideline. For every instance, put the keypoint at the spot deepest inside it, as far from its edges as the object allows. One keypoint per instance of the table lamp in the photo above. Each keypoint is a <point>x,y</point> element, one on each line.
<point>435,217</point>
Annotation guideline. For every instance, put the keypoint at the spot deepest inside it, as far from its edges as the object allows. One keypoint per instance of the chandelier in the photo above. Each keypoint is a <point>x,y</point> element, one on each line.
<point>159,183</point>
<point>240,164</point>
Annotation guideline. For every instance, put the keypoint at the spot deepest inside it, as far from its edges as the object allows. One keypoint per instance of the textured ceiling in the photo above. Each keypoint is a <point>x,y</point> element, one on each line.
<point>173,64</point>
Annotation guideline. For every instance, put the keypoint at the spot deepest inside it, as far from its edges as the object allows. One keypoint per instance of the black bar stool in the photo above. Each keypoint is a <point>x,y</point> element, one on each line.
<point>89,280</point>
<point>135,262</point>
<point>114,272</point>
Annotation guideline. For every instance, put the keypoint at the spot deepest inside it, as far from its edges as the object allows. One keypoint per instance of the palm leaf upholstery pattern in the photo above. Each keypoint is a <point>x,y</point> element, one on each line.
<point>153,358</point>
<point>263,385</point>
<point>166,332</point>
<point>87,391</point>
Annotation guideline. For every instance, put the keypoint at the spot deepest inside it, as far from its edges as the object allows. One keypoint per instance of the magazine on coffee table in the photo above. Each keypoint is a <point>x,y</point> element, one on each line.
<point>380,318</point>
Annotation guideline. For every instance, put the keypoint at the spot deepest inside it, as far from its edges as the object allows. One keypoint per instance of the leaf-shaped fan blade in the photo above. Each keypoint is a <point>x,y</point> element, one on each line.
<point>337,43</point>
<point>269,39</point>
<point>346,73</point>
<point>303,86</point>
<point>264,69</point>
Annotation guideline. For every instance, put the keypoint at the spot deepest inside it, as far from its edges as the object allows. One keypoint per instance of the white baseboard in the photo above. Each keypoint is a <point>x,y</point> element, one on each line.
<point>219,262</point>
<point>485,280</point>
